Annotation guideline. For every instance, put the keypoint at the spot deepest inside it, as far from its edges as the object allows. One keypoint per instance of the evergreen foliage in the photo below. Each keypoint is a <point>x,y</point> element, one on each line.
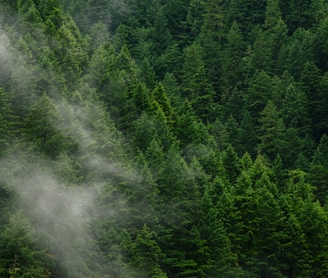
<point>163,138</point>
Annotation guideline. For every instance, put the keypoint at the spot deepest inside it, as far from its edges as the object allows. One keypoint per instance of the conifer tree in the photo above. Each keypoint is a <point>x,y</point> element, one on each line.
<point>40,128</point>
<point>164,102</point>
<point>230,162</point>
<point>247,135</point>
<point>7,122</point>
<point>311,82</point>
<point>232,61</point>
<point>221,261</point>
<point>21,256</point>
<point>146,255</point>
<point>312,219</point>
<point>155,156</point>
<point>295,110</point>
<point>211,39</point>
<point>143,131</point>
<point>298,45</point>
<point>271,132</point>
<point>195,17</point>
<point>270,39</point>
<point>29,13</point>
<point>160,32</point>
<point>248,14</point>
<point>220,134</point>
<point>319,173</point>
<point>295,263</point>
<point>195,85</point>
<point>259,93</point>
<point>189,129</point>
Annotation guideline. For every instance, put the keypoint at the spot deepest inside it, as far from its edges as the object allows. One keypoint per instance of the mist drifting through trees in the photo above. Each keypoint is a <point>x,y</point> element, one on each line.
<point>152,139</point>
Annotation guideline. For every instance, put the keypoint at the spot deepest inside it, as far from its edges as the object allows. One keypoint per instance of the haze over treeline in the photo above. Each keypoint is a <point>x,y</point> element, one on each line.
<point>152,138</point>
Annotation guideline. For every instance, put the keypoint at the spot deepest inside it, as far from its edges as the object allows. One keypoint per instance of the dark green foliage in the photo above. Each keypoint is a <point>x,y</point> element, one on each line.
<point>20,255</point>
<point>248,14</point>
<point>247,134</point>
<point>232,74</point>
<point>271,133</point>
<point>259,92</point>
<point>189,129</point>
<point>313,84</point>
<point>230,162</point>
<point>195,85</point>
<point>164,102</point>
<point>8,123</point>
<point>303,14</point>
<point>146,255</point>
<point>186,138</point>
<point>41,129</point>
<point>319,169</point>
<point>269,39</point>
<point>211,39</point>
<point>298,51</point>
<point>195,17</point>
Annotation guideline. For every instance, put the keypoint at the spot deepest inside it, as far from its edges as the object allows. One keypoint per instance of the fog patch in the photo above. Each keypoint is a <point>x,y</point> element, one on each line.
<point>4,57</point>
<point>62,212</point>
<point>59,212</point>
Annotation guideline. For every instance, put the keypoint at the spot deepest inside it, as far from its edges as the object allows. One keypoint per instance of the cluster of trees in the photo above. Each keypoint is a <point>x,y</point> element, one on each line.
<point>204,123</point>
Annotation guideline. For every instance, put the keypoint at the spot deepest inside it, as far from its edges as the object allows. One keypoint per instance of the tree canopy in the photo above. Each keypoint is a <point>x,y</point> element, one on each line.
<point>163,138</point>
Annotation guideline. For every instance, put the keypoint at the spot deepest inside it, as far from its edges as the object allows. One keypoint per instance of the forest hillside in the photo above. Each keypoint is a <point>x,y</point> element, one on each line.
<point>150,138</point>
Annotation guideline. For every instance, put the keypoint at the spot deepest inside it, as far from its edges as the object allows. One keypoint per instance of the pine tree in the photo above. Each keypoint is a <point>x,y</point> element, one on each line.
<point>221,135</point>
<point>195,84</point>
<point>269,40</point>
<point>176,14</point>
<point>271,132</point>
<point>70,53</point>
<point>294,248</point>
<point>319,173</point>
<point>160,33</point>
<point>311,82</point>
<point>98,65</point>
<point>20,253</point>
<point>312,219</point>
<point>232,61</point>
<point>146,255</point>
<point>257,227</point>
<point>302,14</point>
<point>41,130</point>
<point>298,51</point>
<point>29,13</point>
<point>182,240</point>
<point>189,129</point>
<point>247,135</point>
<point>222,260</point>
<point>233,129</point>
<point>321,106</point>
<point>195,17</point>
<point>211,39</point>
<point>319,41</point>
<point>155,156</point>
<point>295,110</point>
<point>320,155</point>
<point>259,93</point>
<point>164,102</point>
<point>142,97</point>
<point>143,131</point>
<point>248,14</point>
<point>230,162</point>
<point>7,122</point>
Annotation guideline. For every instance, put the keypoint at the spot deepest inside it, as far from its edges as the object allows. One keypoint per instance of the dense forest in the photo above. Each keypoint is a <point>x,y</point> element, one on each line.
<point>150,138</point>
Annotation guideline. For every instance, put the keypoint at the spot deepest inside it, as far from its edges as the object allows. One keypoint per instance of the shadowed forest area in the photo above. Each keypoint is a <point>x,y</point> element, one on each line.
<point>152,138</point>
